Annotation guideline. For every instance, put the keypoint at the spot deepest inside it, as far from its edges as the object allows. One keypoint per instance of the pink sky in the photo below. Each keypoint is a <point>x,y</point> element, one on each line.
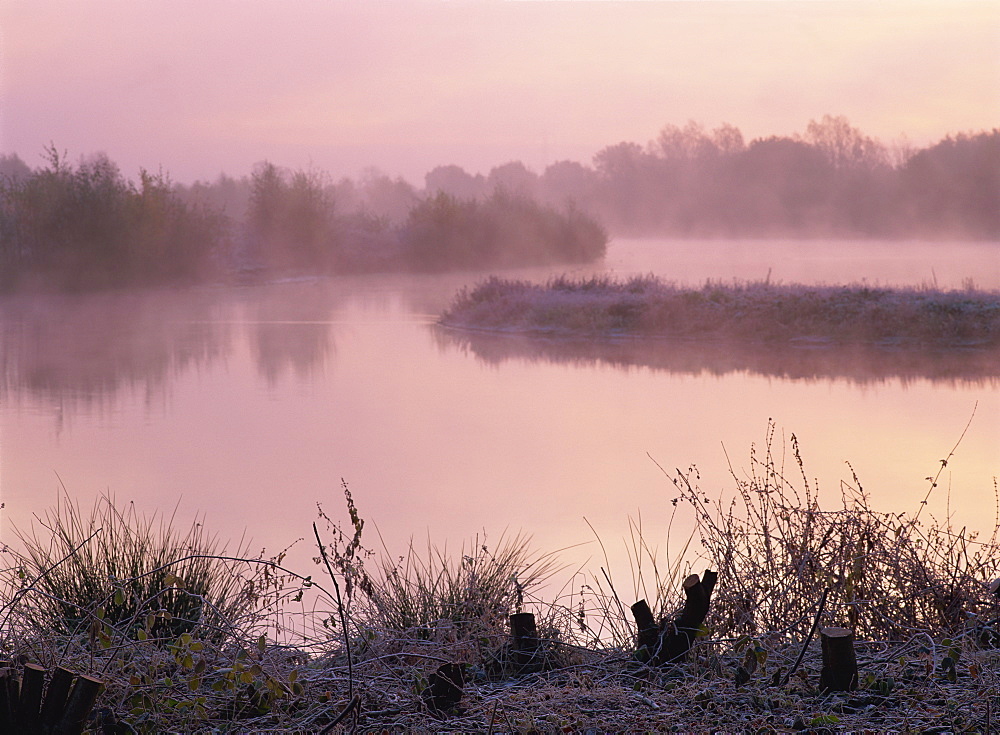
<point>203,86</point>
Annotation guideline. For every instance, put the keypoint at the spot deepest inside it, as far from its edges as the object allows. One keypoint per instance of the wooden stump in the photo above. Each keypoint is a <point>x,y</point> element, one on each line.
<point>29,704</point>
<point>840,664</point>
<point>444,687</point>
<point>526,649</point>
<point>678,636</point>
<point>63,709</point>
<point>671,640</point>
<point>649,631</point>
<point>8,697</point>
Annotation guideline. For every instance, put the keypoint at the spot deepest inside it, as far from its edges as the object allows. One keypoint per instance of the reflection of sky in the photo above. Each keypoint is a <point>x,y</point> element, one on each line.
<point>433,439</point>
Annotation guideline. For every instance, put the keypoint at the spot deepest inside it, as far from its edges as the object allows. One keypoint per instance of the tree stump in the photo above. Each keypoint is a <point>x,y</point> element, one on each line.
<point>63,709</point>
<point>444,687</point>
<point>649,631</point>
<point>677,638</point>
<point>527,655</point>
<point>671,640</point>
<point>840,663</point>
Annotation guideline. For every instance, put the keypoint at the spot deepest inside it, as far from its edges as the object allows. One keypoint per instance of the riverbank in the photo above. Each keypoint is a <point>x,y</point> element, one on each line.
<point>187,637</point>
<point>647,306</point>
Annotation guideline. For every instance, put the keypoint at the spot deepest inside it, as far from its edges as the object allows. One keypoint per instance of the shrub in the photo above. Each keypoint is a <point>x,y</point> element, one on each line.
<point>889,575</point>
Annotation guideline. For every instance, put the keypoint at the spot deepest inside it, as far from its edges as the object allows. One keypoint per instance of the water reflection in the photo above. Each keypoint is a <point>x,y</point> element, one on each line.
<point>81,351</point>
<point>289,330</point>
<point>856,364</point>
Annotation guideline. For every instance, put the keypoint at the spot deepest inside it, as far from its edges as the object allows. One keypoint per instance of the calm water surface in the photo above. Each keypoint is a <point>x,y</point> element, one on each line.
<point>250,404</point>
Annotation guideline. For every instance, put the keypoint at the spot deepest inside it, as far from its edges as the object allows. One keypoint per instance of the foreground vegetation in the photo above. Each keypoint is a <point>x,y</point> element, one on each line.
<point>648,306</point>
<point>189,638</point>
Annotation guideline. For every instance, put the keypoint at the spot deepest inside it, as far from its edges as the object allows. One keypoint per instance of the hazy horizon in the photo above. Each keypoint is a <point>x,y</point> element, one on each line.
<point>204,88</point>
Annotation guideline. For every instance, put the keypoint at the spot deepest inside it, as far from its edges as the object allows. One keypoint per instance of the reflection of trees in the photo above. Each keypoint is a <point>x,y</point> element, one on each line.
<point>85,349</point>
<point>290,330</point>
<point>855,363</point>
<point>278,346</point>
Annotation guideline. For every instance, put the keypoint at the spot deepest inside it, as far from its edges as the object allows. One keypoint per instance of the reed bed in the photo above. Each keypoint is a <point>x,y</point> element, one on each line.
<point>353,645</point>
<point>761,311</point>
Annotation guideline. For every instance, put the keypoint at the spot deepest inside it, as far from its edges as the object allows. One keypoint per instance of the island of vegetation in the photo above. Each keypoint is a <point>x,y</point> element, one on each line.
<point>648,306</point>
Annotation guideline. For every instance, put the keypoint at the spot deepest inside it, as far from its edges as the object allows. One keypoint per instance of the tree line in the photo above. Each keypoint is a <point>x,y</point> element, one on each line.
<point>87,225</point>
<point>832,180</point>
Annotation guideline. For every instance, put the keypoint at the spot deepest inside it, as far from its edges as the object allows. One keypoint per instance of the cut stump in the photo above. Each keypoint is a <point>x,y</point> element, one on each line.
<point>840,663</point>
<point>670,641</point>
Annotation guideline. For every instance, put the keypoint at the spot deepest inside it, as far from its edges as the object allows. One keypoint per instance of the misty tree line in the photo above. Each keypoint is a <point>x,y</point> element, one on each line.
<point>830,181</point>
<point>88,226</point>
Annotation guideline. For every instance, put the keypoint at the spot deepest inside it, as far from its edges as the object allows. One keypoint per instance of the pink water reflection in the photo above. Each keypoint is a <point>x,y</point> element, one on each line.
<point>250,405</point>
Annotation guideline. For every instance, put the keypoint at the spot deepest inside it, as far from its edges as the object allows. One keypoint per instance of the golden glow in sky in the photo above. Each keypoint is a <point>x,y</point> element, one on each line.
<point>202,87</point>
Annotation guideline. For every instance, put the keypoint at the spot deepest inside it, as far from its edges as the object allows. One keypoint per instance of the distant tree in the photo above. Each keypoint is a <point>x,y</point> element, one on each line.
<point>514,178</point>
<point>455,181</point>
<point>88,227</point>
<point>780,185</point>
<point>290,219</point>
<point>386,198</point>
<point>566,182</point>
<point>728,139</point>
<point>12,168</point>
<point>503,230</point>
<point>684,144</point>
<point>845,146</point>
<point>953,187</point>
<point>635,188</point>
<point>226,194</point>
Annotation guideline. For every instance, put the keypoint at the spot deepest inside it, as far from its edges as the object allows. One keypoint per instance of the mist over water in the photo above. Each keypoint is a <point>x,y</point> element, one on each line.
<point>250,403</point>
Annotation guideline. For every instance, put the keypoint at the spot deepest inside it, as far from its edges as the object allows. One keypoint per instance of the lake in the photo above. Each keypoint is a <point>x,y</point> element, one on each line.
<point>249,405</point>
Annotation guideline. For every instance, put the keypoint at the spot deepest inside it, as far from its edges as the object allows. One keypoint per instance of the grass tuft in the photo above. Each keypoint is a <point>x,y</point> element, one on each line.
<point>117,568</point>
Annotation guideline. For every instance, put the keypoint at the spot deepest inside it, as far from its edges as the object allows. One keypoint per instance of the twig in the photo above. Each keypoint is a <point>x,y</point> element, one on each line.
<point>944,463</point>
<point>351,707</point>
<point>812,632</point>
<point>496,702</point>
<point>343,616</point>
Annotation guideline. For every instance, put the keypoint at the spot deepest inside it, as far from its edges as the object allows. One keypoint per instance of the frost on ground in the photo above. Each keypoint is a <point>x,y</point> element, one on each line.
<point>757,311</point>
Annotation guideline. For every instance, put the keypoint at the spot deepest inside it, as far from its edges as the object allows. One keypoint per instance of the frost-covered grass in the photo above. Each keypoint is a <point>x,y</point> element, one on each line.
<point>352,645</point>
<point>759,311</point>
